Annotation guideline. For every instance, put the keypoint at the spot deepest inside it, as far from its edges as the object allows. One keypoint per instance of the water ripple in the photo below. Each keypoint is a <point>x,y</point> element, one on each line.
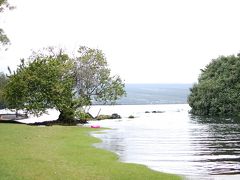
<point>176,142</point>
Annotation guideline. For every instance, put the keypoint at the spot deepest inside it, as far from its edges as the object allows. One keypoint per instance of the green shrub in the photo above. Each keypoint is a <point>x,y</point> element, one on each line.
<point>218,89</point>
<point>83,115</point>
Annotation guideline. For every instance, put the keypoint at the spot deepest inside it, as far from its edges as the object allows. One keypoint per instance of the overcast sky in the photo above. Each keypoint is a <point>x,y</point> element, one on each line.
<point>145,41</point>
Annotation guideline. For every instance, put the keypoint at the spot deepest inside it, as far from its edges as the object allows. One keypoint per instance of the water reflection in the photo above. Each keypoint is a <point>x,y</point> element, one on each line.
<point>176,142</point>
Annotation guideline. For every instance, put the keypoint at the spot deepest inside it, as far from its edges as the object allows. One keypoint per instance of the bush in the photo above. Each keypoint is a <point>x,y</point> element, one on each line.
<point>83,115</point>
<point>218,89</point>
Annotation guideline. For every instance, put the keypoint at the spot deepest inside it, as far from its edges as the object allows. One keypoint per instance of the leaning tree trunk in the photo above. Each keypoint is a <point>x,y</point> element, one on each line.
<point>67,116</point>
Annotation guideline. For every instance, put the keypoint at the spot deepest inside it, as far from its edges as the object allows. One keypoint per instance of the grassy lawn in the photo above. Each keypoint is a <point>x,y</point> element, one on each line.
<point>58,152</point>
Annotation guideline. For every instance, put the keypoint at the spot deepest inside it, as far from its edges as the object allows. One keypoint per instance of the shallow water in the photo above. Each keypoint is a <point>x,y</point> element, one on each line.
<point>173,141</point>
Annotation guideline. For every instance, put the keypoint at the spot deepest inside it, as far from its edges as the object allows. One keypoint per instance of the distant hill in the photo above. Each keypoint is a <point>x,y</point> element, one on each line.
<point>156,94</point>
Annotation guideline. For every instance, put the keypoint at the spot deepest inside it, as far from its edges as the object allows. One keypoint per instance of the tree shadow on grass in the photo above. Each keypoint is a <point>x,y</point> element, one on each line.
<point>46,123</point>
<point>10,122</point>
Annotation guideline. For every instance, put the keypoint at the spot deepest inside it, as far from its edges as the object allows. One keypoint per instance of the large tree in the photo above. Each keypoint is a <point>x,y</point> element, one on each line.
<point>54,80</point>
<point>218,89</point>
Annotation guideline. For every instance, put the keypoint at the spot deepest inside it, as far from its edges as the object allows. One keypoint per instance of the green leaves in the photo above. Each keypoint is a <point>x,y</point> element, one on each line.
<point>3,82</point>
<point>5,5</point>
<point>4,41</point>
<point>218,88</point>
<point>44,82</point>
<point>3,38</point>
<point>54,80</point>
<point>93,79</point>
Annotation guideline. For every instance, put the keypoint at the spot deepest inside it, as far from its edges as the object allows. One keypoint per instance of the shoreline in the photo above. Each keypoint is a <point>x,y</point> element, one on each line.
<point>95,145</point>
<point>63,152</point>
<point>187,177</point>
<point>126,111</point>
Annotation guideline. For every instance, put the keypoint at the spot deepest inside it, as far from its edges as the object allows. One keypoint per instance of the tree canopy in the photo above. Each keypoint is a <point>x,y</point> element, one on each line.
<point>55,80</point>
<point>3,5</point>
<point>3,82</point>
<point>92,78</point>
<point>218,89</point>
<point>4,40</point>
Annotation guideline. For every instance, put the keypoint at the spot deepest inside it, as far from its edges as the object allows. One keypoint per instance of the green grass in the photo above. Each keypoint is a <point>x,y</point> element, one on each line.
<point>60,152</point>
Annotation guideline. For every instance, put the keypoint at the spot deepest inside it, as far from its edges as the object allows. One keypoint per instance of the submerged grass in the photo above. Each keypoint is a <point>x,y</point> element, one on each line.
<point>60,152</point>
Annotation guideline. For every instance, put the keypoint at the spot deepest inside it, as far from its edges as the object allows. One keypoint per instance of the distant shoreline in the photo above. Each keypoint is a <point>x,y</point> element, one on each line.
<point>144,94</point>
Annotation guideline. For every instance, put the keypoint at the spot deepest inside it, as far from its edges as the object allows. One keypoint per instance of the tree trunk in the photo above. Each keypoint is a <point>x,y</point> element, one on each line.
<point>67,116</point>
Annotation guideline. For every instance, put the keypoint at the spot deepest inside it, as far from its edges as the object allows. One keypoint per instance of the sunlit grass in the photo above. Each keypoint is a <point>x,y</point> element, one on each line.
<point>60,152</point>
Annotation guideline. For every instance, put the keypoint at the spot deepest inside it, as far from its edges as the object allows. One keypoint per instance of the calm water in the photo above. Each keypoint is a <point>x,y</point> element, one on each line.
<point>172,141</point>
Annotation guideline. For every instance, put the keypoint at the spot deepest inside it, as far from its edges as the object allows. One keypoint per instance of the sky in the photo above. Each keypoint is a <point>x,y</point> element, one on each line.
<point>145,41</point>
